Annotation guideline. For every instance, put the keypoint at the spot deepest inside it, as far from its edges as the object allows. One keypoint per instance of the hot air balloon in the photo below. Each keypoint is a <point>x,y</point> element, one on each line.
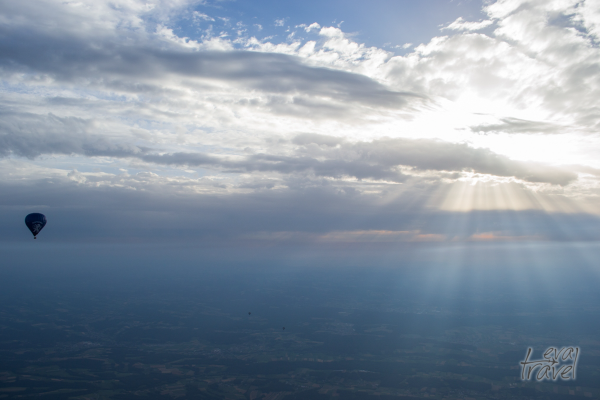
<point>35,222</point>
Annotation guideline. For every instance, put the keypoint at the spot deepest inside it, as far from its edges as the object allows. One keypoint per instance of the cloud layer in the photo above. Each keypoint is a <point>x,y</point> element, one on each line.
<point>112,100</point>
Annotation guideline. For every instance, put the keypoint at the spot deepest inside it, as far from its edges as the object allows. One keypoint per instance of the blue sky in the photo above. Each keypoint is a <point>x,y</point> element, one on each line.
<point>381,23</point>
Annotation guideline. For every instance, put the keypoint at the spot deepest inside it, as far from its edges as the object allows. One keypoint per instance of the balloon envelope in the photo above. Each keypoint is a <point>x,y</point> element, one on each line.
<point>35,222</point>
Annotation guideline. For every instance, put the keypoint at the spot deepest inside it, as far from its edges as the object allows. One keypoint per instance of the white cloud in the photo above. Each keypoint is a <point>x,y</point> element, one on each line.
<point>331,32</point>
<point>461,25</point>
<point>312,26</point>
<point>588,14</point>
<point>279,22</point>
<point>198,15</point>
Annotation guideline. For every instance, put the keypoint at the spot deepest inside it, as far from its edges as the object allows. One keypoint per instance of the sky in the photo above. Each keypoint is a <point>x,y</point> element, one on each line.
<point>268,123</point>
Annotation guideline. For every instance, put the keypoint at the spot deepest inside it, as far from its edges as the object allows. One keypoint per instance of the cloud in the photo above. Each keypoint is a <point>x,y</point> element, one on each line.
<point>327,136</point>
<point>312,26</point>
<point>198,15</point>
<point>318,139</point>
<point>331,32</point>
<point>530,68</point>
<point>461,25</point>
<point>443,156</point>
<point>567,87</point>
<point>515,125</point>
<point>283,165</point>
<point>379,160</point>
<point>118,213</point>
<point>137,70</point>
<point>31,135</point>
<point>588,13</point>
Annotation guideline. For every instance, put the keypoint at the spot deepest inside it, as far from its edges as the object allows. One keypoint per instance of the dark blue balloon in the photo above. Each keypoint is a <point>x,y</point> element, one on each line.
<point>35,222</point>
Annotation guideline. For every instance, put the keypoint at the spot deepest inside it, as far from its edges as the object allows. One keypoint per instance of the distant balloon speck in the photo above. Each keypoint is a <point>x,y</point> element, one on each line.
<point>35,222</point>
<point>284,328</point>
<point>249,313</point>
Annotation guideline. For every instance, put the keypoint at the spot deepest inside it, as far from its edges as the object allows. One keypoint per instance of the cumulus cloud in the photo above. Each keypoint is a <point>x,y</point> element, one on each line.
<point>312,26</point>
<point>537,65</point>
<point>588,13</point>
